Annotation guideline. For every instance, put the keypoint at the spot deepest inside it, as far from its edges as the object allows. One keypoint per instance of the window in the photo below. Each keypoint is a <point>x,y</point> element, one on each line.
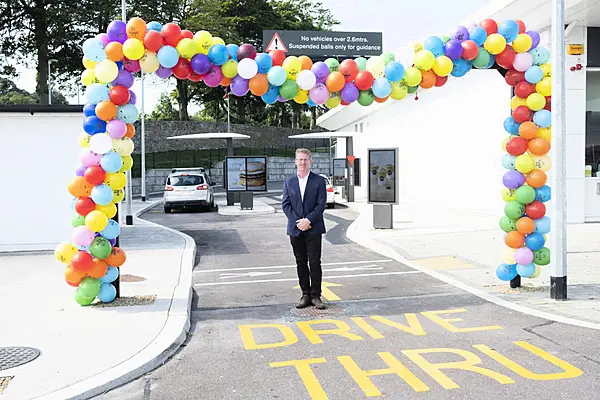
<point>185,180</point>
<point>592,122</point>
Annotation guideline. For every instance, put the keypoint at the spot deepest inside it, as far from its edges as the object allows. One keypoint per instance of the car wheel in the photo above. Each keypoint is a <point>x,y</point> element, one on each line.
<point>332,205</point>
<point>167,210</point>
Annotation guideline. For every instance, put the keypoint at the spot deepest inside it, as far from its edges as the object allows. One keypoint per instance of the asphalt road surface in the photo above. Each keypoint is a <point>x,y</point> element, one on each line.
<point>389,331</point>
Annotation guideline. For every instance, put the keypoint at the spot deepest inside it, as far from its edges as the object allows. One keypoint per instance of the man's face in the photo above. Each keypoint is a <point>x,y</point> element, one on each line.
<point>303,162</point>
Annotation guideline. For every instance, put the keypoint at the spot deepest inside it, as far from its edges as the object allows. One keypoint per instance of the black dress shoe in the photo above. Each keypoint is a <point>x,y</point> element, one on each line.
<point>304,302</point>
<point>318,303</point>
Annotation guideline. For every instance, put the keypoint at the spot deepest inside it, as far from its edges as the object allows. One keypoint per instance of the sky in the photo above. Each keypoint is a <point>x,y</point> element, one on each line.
<point>401,23</point>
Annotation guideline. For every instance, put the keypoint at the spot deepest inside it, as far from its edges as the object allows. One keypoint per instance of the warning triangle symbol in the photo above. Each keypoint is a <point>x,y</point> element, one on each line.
<point>276,44</point>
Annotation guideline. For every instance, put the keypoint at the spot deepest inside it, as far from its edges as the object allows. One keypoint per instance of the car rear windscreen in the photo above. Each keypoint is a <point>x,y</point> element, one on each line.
<point>185,180</point>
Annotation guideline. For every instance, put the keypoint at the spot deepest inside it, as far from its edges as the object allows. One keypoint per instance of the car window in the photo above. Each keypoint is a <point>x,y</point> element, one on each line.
<point>185,180</point>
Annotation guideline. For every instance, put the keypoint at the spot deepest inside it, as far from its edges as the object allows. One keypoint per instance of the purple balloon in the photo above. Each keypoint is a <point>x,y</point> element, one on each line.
<point>460,34</point>
<point>163,72</point>
<point>132,97</point>
<point>80,170</point>
<point>321,71</point>
<point>524,256</point>
<point>513,179</point>
<point>281,99</point>
<point>200,63</point>
<point>112,241</point>
<point>453,49</point>
<point>319,94</point>
<point>349,93</point>
<point>124,78</point>
<point>117,31</point>
<point>239,86</point>
<point>535,38</point>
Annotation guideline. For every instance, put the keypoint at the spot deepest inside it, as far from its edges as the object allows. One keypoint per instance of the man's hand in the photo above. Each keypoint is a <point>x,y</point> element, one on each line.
<point>303,224</point>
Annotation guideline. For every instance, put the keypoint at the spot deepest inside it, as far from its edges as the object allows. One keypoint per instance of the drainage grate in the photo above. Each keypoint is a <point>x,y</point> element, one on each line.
<point>4,381</point>
<point>313,312</point>
<point>11,357</point>
<point>132,278</point>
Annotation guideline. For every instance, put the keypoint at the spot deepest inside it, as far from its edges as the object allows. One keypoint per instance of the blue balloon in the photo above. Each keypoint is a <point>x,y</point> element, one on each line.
<point>492,61</point>
<point>511,126</point>
<point>120,65</point>
<point>218,54</point>
<point>435,45</point>
<point>154,26</point>
<point>541,55</point>
<point>107,293</point>
<point>102,194</point>
<point>93,125</point>
<point>543,225</point>
<point>478,34</point>
<point>506,272</point>
<point>535,241</point>
<point>97,92</point>
<point>526,271</point>
<point>382,87</point>
<point>543,194</point>
<point>233,49</point>
<point>534,74</point>
<point>112,230</point>
<point>128,113</point>
<point>509,29</point>
<point>272,94</point>
<point>277,75</point>
<point>264,62</point>
<point>111,162</point>
<point>111,275</point>
<point>84,248</point>
<point>89,109</point>
<point>93,49</point>
<point>542,118</point>
<point>508,161</point>
<point>168,56</point>
<point>310,103</point>
<point>394,71</point>
<point>461,67</point>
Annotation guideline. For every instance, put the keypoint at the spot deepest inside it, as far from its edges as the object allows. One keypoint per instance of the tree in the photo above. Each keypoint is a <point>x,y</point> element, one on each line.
<point>164,110</point>
<point>11,94</point>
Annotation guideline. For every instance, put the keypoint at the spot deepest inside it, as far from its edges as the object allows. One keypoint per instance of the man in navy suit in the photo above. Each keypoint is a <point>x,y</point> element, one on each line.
<point>303,202</point>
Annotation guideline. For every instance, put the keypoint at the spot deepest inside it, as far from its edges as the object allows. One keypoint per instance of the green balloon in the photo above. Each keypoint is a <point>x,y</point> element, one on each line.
<point>445,38</point>
<point>365,98</point>
<point>100,248</point>
<point>525,194</point>
<point>412,89</point>
<point>83,300</point>
<point>388,57</point>
<point>77,220</point>
<point>362,63</point>
<point>507,224</point>
<point>541,256</point>
<point>482,59</point>
<point>89,287</point>
<point>514,210</point>
<point>333,64</point>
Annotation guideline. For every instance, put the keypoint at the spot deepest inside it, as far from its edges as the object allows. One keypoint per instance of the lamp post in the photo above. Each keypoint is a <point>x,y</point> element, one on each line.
<point>50,62</point>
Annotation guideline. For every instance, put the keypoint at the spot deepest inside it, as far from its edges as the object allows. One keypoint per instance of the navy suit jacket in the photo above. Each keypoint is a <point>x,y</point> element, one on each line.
<point>313,206</point>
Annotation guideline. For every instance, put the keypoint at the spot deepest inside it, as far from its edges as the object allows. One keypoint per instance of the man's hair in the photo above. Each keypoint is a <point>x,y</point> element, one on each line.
<point>305,151</point>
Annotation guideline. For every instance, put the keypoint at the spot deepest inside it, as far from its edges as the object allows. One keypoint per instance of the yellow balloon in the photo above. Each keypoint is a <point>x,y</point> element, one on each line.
<point>110,209</point>
<point>522,43</point>
<point>536,273</point>
<point>64,252</point>
<point>123,146</point>
<point>399,91</point>
<point>229,69</point>
<point>84,140</point>
<point>495,43</point>
<point>217,40</point>
<point>203,41</point>
<point>149,63</point>
<point>412,76</point>
<point>509,194</point>
<point>545,133</point>
<point>96,221</point>
<point>87,63</point>
<point>424,60</point>
<point>547,69</point>
<point>517,101</point>
<point>376,66</point>
<point>187,48</point>
<point>509,256</point>
<point>524,163</point>
<point>333,101</point>
<point>133,49</point>
<point>301,97</point>
<point>442,66</point>
<point>542,162</point>
<point>506,139</point>
<point>115,180</point>
<point>292,65</point>
<point>106,70</point>
<point>88,77</point>
<point>536,101</point>
<point>118,195</point>
<point>127,163</point>
<point>544,87</point>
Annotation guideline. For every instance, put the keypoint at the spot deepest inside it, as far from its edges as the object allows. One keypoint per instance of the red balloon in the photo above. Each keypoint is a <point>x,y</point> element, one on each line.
<point>349,68</point>
<point>521,24</point>
<point>187,34</point>
<point>195,77</point>
<point>507,57</point>
<point>153,41</point>
<point>515,146</point>
<point>489,25</point>
<point>84,206</point>
<point>119,95</point>
<point>246,51</point>
<point>82,261</point>
<point>183,69</point>
<point>524,89</point>
<point>95,175</point>
<point>548,103</point>
<point>172,33</point>
<point>278,57</point>
<point>513,77</point>
<point>522,114</point>
<point>470,50</point>
<point>364,80</point>
<point>535,210</point>
<point>440,80</point>
<point>344,103</point>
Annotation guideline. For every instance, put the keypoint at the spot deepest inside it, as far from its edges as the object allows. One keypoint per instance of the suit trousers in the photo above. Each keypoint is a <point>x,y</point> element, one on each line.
<point>307,250</point>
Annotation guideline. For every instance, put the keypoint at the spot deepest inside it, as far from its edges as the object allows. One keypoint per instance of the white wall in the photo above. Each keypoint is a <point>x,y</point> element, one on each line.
<point>38,160</point>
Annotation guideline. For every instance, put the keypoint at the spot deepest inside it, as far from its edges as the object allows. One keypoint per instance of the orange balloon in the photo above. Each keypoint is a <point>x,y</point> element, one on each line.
<point>536,178</point>
<point>514,240</point>
<point>525,225</point>
<point>106,111</point>
<point>116,258</point>
<point>539,146</point>
<point>381,100</point>
<point>130,131</point>
<point>528,130</point>
<point>99,268</point>
<point>335,81</point>
<point>259,84</point>
<point>428,79</point>
<point>73,276</point>
<point>225,81</point>
<point>306,62</point>
<point>79,187</point>
<point>136,28</point>
<point>114,51</point>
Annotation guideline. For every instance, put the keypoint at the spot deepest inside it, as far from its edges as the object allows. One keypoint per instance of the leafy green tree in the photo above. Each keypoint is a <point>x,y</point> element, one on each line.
<point>164,110</point>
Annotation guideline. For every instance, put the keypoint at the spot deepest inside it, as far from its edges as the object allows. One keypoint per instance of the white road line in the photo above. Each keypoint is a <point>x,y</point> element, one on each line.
<point>248,274</point>
<point>296,279</point>
<point>289,266</point>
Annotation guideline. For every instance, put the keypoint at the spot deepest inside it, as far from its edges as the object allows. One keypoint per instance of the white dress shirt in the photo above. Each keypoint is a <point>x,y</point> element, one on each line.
<point>302,182</point>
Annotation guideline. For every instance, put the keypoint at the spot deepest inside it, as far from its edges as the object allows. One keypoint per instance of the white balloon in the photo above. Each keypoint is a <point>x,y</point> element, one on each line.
<point>101,143</point>
<point>149,62</point>
<point>247,68</point>
<point>306,79</point>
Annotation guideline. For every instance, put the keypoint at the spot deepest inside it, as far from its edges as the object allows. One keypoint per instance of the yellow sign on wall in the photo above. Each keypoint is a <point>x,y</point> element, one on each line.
<point>575,49</point>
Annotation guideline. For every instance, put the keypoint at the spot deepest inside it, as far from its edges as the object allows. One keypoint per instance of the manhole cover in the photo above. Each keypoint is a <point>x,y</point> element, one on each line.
<point>4,381</point>
<point>313,312</point>
<point>132,278</point>
<point>11,357</point>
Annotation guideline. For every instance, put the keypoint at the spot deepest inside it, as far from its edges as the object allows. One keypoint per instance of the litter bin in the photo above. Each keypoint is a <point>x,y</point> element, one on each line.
<point>246,200</point>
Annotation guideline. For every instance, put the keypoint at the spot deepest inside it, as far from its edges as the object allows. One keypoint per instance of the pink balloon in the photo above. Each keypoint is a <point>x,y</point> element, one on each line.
<point>524,256</point>
<point>131,65</point>
<point>104,38</point>
<point>82,236</point>
<point>89,158</point>
<point>213,77</point>
<point>523,61</point>
<point>116,128</point>
<point>319,94</point>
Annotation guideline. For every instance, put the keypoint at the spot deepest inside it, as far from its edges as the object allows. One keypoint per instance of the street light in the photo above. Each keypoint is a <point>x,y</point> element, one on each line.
<point>50,61</point>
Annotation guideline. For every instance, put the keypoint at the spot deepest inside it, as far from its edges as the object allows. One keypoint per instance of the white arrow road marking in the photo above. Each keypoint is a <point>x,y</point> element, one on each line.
<point>352,269</point>
<point>248,274</point>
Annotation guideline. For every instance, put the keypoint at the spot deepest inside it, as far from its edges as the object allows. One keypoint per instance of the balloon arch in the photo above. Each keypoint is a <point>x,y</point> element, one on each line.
<point>111,59</point>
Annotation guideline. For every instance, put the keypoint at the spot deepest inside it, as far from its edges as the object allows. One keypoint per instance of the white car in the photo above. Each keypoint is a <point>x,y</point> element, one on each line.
<point>188,187</point>
<point>330,192</point>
